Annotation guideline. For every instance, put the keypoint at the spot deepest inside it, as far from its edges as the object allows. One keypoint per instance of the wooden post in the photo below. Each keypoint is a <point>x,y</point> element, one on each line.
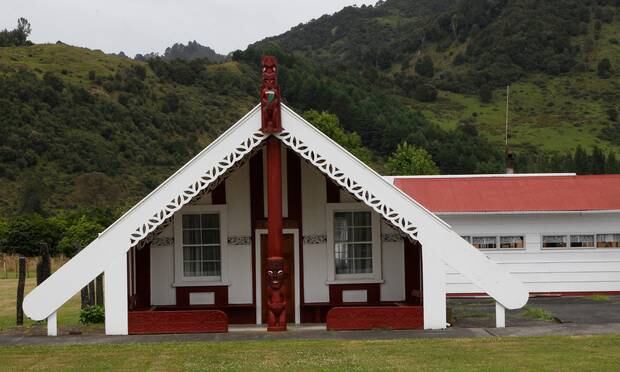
<point>21,283</point>
<point>84,297</point>
<point>91,293</point>
<point>44,266</point>
<point>99,290</point>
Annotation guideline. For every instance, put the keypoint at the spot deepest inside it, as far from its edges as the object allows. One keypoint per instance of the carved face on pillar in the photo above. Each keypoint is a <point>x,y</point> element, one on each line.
<point>275,272</point>
<point>270,73</point>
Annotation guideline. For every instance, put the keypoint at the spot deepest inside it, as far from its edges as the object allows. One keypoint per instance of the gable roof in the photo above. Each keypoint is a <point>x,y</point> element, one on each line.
<point>514,193</point>
<point>203,171</point>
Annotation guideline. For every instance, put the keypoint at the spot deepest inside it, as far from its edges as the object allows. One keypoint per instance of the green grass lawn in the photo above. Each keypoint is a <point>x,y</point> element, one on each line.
<point>518,353</point>
<point>68,315</point>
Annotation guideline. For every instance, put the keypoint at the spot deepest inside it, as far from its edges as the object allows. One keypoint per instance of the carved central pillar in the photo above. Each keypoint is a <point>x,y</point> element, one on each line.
<point>275,267</point>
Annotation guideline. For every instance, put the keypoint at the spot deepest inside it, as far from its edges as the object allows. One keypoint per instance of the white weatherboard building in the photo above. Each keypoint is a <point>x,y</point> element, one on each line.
<point>361,250</point>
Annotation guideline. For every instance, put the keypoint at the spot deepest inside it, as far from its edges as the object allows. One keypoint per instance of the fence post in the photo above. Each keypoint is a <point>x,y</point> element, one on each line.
<point>99,290</point>
<point>20,290</point>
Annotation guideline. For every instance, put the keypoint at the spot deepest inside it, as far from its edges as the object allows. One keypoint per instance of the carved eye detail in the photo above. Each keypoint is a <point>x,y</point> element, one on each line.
<point>274,69</point>
<point>280,272</point>
<point>264,69</point>
<point>269,272</point>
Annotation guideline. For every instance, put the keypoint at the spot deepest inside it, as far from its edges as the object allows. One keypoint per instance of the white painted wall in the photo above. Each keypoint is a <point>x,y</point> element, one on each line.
<point>545,270</point>
<point>162,271</point>
<point>316,263</point>
<point>239,257</point>
<point>313,194</point>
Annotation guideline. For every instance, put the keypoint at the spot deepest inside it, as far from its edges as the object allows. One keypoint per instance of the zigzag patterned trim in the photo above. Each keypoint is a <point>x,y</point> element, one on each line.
<point>204,181</point>
<point>349,184</point>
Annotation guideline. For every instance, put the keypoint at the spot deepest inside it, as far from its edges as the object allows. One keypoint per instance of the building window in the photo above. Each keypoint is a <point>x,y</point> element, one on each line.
<point>201,245</point>
<point>554,241</point>
<point>608,241</point>
<point>484,242</point>
<point>353,242</point>
<point>582,241</point>
<point>467,238</point>
<point>511,242</point>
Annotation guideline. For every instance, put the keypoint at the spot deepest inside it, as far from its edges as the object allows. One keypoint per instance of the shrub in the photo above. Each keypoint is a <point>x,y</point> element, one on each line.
<point>92,314</point>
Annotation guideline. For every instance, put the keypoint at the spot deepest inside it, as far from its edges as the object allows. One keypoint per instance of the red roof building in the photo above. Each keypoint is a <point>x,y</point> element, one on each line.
<point>513,193</point>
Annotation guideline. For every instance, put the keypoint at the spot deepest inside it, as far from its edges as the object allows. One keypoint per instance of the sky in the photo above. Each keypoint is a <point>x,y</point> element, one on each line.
<point>143,26</point>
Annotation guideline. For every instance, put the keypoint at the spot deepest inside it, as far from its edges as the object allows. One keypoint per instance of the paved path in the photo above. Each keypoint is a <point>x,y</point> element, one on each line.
<point>310,333</point>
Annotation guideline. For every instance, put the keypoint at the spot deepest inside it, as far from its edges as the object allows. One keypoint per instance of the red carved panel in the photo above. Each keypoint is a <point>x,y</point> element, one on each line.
<point>373,292</point>
<point>218,195</point>
<point>143,277</point>
<point>413,272</point>
<point>220,294</point>
<point>375,317</point>
<point>185,321</point>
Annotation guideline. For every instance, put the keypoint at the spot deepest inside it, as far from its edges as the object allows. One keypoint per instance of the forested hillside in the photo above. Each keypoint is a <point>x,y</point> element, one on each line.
<point>82,130</point>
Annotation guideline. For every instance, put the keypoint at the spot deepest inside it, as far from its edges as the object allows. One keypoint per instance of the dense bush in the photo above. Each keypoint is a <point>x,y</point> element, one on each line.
<point>93,314</point>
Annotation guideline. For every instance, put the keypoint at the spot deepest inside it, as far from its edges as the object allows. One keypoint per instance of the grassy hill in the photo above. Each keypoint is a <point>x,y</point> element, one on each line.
<point>547,51</point>
<point>84,129</point>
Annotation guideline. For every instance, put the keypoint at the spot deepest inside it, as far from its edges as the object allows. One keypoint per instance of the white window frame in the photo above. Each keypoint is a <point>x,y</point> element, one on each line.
<point>373,277</point>
<point>180,280</point>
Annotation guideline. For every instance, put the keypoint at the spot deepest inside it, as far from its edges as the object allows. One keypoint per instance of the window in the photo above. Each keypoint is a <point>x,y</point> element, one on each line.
<point>484,242</point>
<point>353,242</point>
<point>554,241</point>
<point>608,241</point>
<point>201,245</point>
<point>582,241</point>
<point>467,238</point>
<point>511,242</point>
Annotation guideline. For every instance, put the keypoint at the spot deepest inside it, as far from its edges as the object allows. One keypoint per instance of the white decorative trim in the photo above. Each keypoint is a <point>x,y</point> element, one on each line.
<point>239,240</point>
<point>204,182</point>
<point>341,178</point>
<point>315,239</point>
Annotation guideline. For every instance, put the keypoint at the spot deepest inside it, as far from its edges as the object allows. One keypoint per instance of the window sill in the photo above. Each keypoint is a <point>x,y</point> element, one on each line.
<point>355,281</point>
<point>198,283</point>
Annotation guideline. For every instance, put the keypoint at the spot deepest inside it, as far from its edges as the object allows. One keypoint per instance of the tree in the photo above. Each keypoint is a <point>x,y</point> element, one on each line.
<point>26,233</point>
<point>79,235</point>
<point>425,93</point>
<point>604,68</point>
<point>582,165</point>
<point>18,36</point>
<point>411,160</point>
<point>330,126</point>
<point>485,93</point>
<point>424,67</point>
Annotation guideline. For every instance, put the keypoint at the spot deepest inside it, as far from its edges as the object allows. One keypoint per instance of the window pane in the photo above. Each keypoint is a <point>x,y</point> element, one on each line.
<point>363,266</point>
<point>211,221</point>
<point>353,242</point>
<point>484,242</point>
<point>201,250</point>
<point>191,221</point>
<point>468,238</point>
<point>361,218</point>
<point>210,236</point>
<point>191,253</point>
<point>554,241</point>
<point>608,241</point>
<point>511,242</point>
<point>362,234</point>
<point>582,241</point>
<point>191,236</point>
